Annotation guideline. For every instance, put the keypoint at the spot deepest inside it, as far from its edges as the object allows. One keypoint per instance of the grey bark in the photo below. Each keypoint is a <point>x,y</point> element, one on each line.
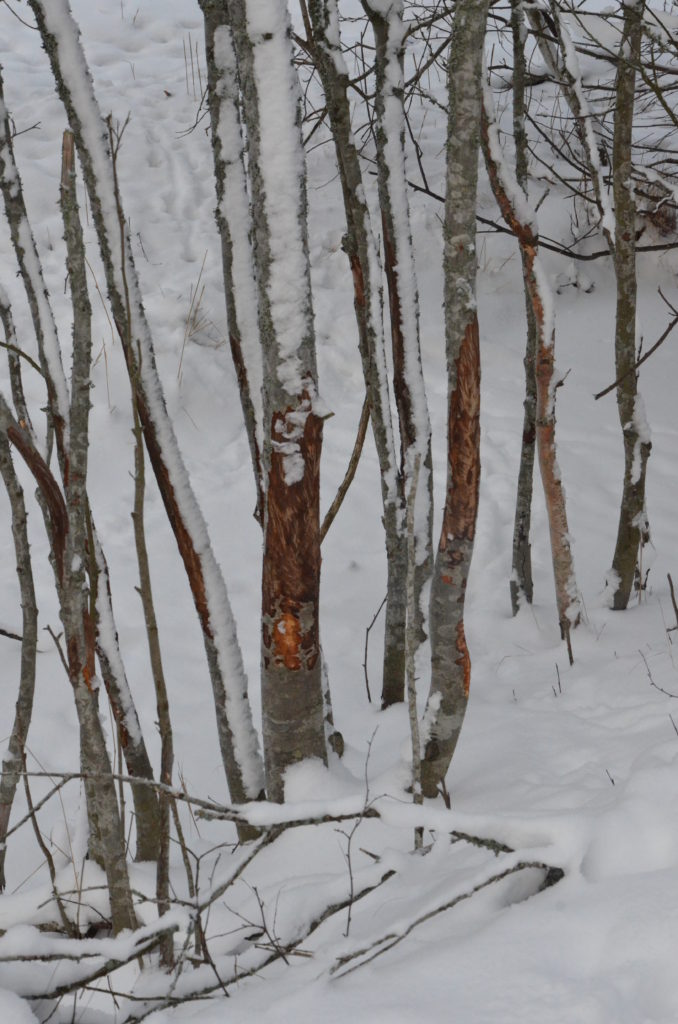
<point>13,759</point>
<point>521,565</point>
<point>633,530</point>
<point>361,249</point>
<point>450,660</point>
<point>525,228</point>
<point>408,377</point>
<point>59,413</point>
<point>75,615</point>
<point>237,739</point>
<point>89,547</point>
<point>234,224</point>
<point>162,887</point>
<point>66,540</point>
<point>292,690</point>
<point>30,270</point>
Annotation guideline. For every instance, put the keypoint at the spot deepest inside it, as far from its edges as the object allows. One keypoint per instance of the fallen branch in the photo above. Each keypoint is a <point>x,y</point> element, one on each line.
<point>386,942</point>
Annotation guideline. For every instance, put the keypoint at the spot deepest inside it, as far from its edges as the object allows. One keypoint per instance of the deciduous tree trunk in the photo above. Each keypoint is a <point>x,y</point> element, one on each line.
<point>408,377</point>
<point>235,226</point>
<point>450,660</point>
<point>237,738</point>
<point>633,529</point>
<point>363,254</point>
<point>521,564</point>
<point>292,694</point>
<point>522,221</point>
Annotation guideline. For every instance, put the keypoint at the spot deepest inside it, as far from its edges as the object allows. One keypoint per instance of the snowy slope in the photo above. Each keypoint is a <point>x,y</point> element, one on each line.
<point>576,765</point>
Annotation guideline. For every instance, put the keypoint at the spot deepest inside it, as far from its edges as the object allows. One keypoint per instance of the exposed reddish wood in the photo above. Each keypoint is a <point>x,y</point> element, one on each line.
<point>464,659</point>
<point>50,490</point>
<point>400,388</point>
<point>358,280</point>
<point>545,415</point>
<point>291,575</point>
<point>461,505</point>
<point>189,555</point>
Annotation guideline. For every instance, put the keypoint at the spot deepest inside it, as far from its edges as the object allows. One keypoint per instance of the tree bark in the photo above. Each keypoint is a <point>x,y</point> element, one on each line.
<point>521,565</point>
<point>360,246</point>
<point>408,377</point>
<point>450,660</point>
<point>522,221</point>
<point>235,226</point>
<point>292,692</point>
<point>13,759</point>
<point>237,738</point>
<point>633,529</point>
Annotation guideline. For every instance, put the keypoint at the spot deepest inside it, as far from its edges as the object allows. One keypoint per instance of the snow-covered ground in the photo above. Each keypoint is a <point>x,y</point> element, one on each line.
<point>573,766</point>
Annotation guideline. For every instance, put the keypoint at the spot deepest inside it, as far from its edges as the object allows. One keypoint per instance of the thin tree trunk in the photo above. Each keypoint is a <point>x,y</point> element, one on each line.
<point>522,221</point>
<point>237,738</point>
<point>521,566</point>
<point>162,887</point>
<point>23,242</point>
<point>100,615</point>
<point>408,377</point>
<point>67,543</point>
<point>565,69</point>
<point>78,623</point>
<point>13,759</point>
<point>58,405</point>
<point>292,692</point>
<point>235,226</point>
<point>450,659</point>
<point>361,249</point>
<point>633,529</point>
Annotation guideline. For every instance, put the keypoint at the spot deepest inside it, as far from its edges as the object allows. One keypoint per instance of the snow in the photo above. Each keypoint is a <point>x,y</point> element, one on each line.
<point>573,765</point>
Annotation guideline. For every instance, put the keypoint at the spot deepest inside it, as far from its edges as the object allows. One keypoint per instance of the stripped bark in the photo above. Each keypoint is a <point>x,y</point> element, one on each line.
<point>360,246</point>
<point>292,690</point>
<point>521,564</point>
<point>450,659</point>
<point>522,222</point>
<point>237,738</point>
<point>235,226</point>
<point>633,529</point>
<point>408,377</point>
<point>13,759</point>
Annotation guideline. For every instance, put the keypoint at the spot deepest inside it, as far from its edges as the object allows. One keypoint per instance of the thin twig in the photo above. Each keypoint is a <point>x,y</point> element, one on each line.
<point>639,362</point>
<point>350,472</point>
<point>367,640</point>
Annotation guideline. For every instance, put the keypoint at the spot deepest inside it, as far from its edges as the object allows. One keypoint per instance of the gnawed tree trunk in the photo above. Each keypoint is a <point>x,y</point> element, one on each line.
<point>633,529</point>
<point>292,694</point>
<point>450,660</point>
<point>13,759</point>
<point>522,221</point>
<point>235,226</point>
<point>521,563</point>
<point>237,738</point>
<point>408,377</point>
<point>362,251</point>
